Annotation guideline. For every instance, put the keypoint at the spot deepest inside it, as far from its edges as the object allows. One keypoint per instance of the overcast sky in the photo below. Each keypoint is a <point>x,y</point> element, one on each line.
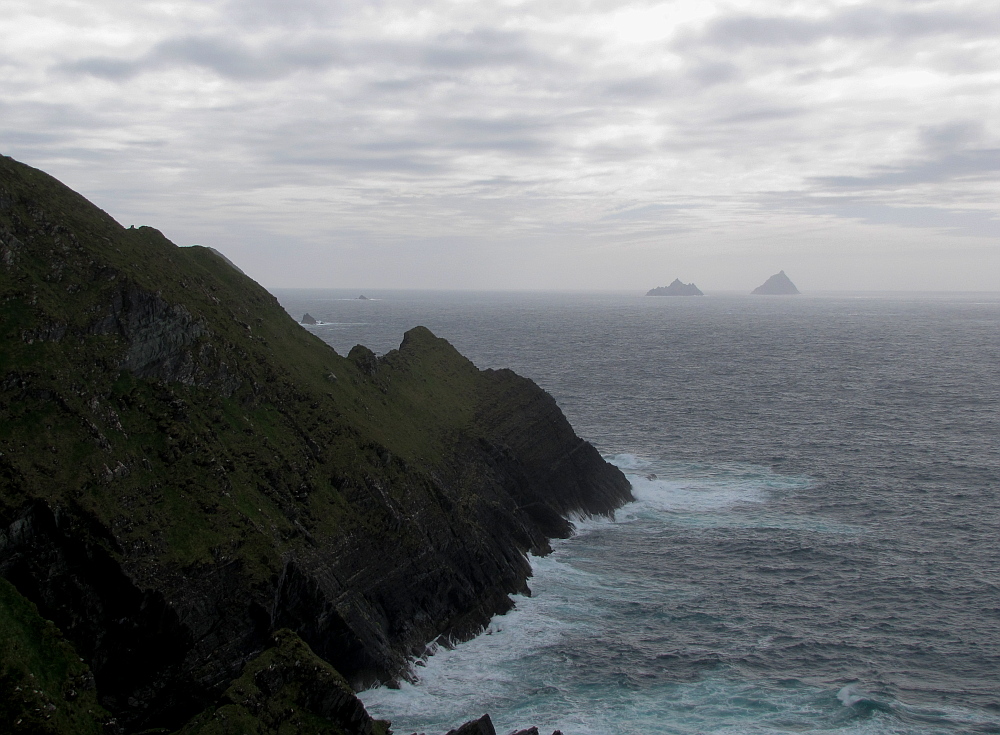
<point>536,144</point>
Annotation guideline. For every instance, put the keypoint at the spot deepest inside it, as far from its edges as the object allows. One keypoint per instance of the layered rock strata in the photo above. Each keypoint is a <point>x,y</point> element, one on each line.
<point>186,473</point>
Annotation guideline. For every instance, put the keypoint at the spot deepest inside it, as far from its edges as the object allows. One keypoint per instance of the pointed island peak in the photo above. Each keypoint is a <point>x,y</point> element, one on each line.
<point>677,288</point>
<point>308,318</point>
<point>777,285</point>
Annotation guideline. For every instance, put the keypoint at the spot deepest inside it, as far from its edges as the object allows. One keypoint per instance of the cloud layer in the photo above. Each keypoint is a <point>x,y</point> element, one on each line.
<point>527,144</point>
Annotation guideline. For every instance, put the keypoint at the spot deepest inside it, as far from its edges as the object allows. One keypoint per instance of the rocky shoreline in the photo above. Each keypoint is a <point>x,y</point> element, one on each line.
<point>217,513</point>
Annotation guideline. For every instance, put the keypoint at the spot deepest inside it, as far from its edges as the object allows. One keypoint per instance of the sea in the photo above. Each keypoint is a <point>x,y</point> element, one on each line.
<point>815,541</point>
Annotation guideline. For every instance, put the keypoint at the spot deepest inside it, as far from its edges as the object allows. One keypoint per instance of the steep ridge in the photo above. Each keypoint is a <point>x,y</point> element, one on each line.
<point>184,471</point>
<point>777,285</point>
<point>676,288</point>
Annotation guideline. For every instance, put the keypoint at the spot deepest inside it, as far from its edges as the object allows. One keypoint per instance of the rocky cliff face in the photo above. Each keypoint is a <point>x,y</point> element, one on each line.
<point>677,288</point>
<point>777,285</point>
<point>185,471</point>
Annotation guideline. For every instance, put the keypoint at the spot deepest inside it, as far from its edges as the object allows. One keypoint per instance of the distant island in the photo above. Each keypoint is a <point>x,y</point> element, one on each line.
<point>676,289</point>
<point>308,318</point>
<point>362,297</point>
<point>777,285</point>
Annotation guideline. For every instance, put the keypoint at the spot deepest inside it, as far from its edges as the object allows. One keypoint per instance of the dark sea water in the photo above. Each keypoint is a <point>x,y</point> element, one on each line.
<point>819,550</point>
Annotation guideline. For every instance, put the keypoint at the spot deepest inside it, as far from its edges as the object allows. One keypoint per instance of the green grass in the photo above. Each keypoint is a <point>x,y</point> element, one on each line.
<point>228,465</point>
<point>286,690</point>
<point>255,455</point>
<point>44,686</point>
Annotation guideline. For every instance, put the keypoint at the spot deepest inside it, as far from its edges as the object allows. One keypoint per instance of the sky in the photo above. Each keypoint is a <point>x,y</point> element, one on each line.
<point>528,144</point>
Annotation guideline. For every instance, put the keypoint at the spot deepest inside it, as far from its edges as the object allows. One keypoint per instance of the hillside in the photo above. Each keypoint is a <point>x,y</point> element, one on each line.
<point>190,481</point>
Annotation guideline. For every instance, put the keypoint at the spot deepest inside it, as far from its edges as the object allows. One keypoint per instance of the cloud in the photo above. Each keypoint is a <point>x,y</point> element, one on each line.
<point>645,213</point>
<point>855,23</point>
<point>238,60</point>
<point>615,124</point>
<point>480,47</point>
<point>949,155</point>
<point>975,164</point>
<point>275,58</point>
<point>951,221</point>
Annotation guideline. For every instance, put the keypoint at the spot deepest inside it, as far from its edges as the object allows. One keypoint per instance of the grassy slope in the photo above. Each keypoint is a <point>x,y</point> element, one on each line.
<point>65,399</point>
<point>260,445</point>
<point>45,688</point>
<point>187,476</point>
<point>286,690</point>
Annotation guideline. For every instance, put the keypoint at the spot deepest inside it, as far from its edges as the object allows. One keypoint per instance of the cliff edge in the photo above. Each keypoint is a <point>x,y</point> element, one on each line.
<point>196,491</point>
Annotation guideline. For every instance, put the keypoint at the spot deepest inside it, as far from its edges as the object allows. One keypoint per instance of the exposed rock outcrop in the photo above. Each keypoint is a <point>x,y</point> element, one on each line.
<point>676,289</point>
<point>184,472</point>
<point>482,726</point>
<point>287,689</point>
<point>308,318</point>
<point>777,285</point>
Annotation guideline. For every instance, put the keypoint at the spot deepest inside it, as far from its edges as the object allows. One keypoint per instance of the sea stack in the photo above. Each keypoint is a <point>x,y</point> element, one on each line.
<point>777,285</point>
<point>362,297</point>
<point>676,289</point>
<point>308,318</point>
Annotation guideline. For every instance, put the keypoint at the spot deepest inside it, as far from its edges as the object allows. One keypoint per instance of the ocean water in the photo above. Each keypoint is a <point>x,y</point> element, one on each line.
<point>815,545</point>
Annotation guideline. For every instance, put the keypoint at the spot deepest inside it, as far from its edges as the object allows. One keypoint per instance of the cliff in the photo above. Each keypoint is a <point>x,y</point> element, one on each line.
<point>193,487</point>
<point>676,289</point>
<point>777,285</point>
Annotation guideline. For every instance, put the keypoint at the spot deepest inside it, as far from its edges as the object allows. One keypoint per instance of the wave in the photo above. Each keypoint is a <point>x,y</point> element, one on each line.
<point>613,644</point>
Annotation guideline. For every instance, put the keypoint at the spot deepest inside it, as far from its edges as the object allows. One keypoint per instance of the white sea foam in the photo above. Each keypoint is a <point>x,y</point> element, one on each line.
<point>484,673</point>
<point>585,524</point>
<point>552,661</point>
<point>866,403</point>
<point>851,695</point>
<point>661,486</point>
<point>712,495</point>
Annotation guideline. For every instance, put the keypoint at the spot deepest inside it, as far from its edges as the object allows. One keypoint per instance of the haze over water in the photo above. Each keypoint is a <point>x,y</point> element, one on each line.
<point>817,551</point>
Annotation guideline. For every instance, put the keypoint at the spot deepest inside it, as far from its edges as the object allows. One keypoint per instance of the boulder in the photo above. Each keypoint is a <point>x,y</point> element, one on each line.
<point>482,726</point>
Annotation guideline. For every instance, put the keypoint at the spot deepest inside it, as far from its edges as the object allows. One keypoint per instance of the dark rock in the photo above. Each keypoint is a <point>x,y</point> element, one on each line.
<point>362,297</point>
<point>366,360</point>
<point>676,289</point>
<point>225,485</point>
<point>132,640</point>
<point>482,726</point>
<point>777,285</point>
<point>287,689</point>
<point>308,318</point>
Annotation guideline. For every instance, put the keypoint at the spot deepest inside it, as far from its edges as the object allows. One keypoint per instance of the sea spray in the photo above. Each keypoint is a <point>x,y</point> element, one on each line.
<point>590,651</point>
<point>862,554</point>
